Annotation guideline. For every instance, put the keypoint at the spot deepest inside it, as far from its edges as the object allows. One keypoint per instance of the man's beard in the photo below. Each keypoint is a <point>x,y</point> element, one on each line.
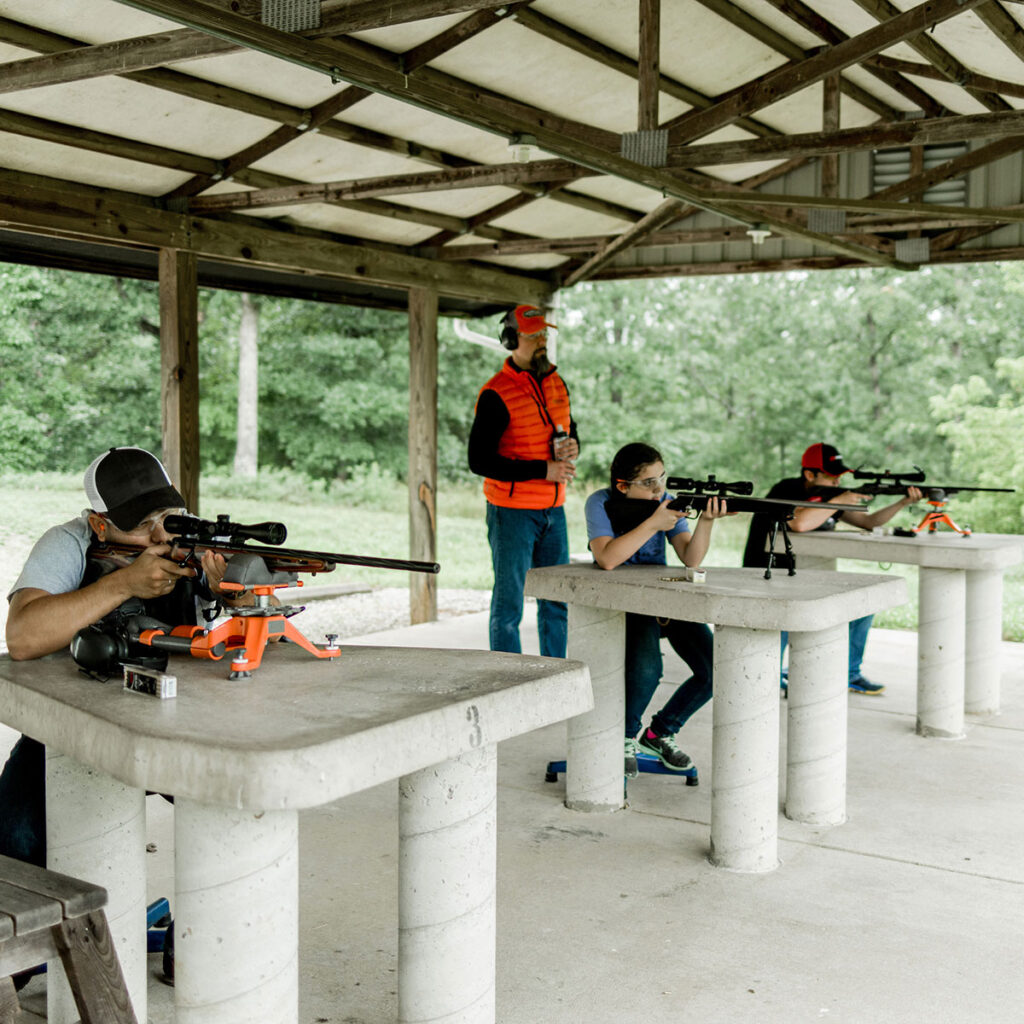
<point>539,363</point>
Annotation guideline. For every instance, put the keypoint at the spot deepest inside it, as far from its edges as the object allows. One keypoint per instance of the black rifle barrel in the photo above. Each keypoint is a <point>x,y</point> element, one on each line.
<point>229,538</point>
<point>777,507</point>
<point>876,489</point>
<point>286,556</point>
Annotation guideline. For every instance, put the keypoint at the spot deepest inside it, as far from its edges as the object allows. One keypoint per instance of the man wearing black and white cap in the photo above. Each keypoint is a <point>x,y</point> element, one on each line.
<point>62,589</point>
<point>821,467</point>
<point>59,592</point>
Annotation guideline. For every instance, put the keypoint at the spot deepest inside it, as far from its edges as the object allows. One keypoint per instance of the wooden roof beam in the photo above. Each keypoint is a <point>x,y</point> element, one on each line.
<point>80,63</point>
<point>926,131</point>
<point>885,207</point>
<point>68,212</point>
<point>649,62</point>
<point>479,176</point>
<point>325,111</point>
<point>584,244</point>
<point>809,19</point>
<point>932,52</point>
<point>546,26</point>
<point>766,35</point>
<point>112,145</point>
<point>970,81</point>
<point>789,79</point>
<point>830,123</point>
<point>663,214</point>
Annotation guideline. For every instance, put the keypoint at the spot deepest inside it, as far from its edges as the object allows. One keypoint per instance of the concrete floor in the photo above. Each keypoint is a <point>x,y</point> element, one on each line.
<point>912,911</point>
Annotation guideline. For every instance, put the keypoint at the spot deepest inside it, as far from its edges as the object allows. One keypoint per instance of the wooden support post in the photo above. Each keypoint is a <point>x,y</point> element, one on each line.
<point>830,123</point>
<point>649,64</point>
<point>422,450</point>
<point>179,371</point>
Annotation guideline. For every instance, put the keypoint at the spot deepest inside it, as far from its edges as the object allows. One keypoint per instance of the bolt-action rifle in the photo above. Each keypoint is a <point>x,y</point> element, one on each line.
<point>251,568</point>
<point>874,483</point>
<point>693,495</point>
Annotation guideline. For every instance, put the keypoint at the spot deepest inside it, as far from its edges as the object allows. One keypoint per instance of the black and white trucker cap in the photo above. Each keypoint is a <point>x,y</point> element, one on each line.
<point>126,484</point>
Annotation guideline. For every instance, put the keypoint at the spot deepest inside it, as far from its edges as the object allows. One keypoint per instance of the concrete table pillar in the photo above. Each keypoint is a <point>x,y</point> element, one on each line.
<point>236,915</point>
<point>816,733</point>
<point>594,755</point>
<point>983,637</point>
<point>96,830</point>
<point>745,750</point>
<point>446,891</point>
<point>940,654</point>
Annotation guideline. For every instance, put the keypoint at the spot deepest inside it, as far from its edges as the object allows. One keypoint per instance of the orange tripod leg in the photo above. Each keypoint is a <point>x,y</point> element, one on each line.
<point>939,515</point>
<point>291,633</point>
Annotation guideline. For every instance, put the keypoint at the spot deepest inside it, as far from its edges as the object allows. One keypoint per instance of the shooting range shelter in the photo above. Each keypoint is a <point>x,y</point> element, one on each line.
<point>456,157</point>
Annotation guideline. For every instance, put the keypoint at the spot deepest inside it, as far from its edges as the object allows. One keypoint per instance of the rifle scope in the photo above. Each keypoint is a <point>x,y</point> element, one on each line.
<point>206,531</point>
<point>709,486</point>
<point>916,477</point>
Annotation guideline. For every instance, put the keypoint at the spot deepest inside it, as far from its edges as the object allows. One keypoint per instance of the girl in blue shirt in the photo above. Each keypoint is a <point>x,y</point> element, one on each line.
<point>637,471</point>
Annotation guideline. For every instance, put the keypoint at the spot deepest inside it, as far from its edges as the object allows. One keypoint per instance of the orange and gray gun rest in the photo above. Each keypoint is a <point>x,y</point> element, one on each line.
<point>747,612</point>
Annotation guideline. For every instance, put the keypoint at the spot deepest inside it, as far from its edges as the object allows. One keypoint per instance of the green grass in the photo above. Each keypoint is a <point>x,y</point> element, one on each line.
<point>369,516</point>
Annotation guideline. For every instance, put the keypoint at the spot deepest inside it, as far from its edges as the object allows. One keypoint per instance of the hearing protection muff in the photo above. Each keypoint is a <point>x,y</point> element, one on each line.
<point>509,336</point>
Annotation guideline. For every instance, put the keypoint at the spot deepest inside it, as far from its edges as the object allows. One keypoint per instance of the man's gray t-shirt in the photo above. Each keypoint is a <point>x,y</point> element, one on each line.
<point>56,563</point>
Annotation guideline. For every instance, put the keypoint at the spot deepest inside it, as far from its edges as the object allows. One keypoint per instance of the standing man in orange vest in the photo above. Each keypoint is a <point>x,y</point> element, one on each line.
<point>512,445</point>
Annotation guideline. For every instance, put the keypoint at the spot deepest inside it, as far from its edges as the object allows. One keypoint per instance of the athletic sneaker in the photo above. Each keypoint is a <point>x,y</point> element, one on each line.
<point>862,685</point>
<point>631,769</point>
<point>666,750</point>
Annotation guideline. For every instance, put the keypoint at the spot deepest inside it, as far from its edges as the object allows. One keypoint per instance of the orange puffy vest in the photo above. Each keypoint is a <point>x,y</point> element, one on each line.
<point>535,409</point>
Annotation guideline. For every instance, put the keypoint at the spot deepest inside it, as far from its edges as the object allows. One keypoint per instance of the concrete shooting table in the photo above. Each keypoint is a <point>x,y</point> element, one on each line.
<point>242,758</point>
<point>747,612</point>
<point>960,611</point>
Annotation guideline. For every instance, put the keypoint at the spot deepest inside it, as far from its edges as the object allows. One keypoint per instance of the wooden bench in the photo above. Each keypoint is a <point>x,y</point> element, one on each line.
<point>45,915</point>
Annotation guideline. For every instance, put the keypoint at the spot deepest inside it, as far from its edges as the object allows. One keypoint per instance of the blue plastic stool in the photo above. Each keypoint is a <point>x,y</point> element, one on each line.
<point>158,919</point>
<point>646,763</point>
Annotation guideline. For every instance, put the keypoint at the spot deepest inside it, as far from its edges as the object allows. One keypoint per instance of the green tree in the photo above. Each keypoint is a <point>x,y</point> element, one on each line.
<point>81,367</point>
<point>984,428</point>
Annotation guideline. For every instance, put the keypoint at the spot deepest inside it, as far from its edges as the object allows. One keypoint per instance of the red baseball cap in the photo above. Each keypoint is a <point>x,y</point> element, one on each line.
<point>530,320</point>
<point>824,459</point>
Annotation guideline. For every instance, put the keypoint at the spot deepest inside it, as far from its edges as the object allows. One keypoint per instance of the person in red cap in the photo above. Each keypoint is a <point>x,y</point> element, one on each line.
<point>821,467</point>
<point>524,444</point>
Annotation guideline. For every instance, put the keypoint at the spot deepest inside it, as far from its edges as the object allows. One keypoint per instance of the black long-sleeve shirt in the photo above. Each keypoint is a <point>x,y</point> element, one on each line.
<point>492,419</point>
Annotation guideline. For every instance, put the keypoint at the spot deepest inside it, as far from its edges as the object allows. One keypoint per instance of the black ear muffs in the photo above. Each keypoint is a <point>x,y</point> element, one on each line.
<point>509,336</point>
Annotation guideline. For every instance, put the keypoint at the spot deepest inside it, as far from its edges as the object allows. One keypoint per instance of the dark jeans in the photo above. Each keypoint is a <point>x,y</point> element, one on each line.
<point>521,539</point>
<point>23,803</point>
<point>694,643</point>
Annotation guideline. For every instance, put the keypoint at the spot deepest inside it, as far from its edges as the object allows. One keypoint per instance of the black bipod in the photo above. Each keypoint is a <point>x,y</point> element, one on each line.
<point>776,524</point>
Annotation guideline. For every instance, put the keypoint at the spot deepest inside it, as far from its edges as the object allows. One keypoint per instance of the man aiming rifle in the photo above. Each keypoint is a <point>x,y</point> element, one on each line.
<point>62,589</point>
<point>821,468</point>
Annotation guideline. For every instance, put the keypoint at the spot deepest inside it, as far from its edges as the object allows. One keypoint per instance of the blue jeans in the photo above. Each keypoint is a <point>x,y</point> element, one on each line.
<point>858,641</point>
<point>522,539</point>
<point>23,803</point>
<point>694,643</point>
